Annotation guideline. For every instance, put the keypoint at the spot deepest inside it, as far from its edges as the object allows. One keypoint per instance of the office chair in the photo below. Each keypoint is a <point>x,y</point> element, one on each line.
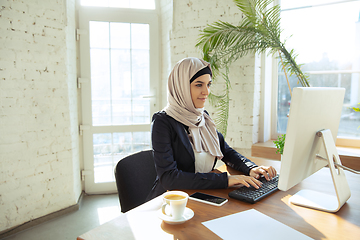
<point>135,175</point>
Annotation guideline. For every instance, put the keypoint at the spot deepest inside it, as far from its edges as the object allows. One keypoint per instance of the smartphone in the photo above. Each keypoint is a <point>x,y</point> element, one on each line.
<point>209,199</point>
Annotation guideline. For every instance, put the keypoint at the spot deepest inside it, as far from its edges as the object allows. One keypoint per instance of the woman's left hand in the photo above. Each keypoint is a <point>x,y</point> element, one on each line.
<point>268,172</point>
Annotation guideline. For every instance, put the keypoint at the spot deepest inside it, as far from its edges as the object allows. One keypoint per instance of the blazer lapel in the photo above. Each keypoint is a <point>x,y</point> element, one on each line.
<point>182,133</point>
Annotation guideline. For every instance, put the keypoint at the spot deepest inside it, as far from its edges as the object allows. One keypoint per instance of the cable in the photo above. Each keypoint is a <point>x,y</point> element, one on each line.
<point>339,165</point>
<point>347,168</point>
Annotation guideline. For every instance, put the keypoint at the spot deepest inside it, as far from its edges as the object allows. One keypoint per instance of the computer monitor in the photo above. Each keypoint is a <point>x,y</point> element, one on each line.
<point>313,123</point>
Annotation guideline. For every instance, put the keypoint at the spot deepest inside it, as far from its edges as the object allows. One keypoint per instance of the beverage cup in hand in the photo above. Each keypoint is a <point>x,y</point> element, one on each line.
<point>174,203</point>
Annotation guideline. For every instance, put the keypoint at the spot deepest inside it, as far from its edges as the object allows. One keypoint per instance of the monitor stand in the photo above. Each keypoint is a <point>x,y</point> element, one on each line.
<point>322,201</point>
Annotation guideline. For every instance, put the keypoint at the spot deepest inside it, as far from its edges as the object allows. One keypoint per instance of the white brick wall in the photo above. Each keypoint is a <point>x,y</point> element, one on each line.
<point>189,17</point>
<point>39,152</point>
<point>166,7</point>
<point>39,145</point>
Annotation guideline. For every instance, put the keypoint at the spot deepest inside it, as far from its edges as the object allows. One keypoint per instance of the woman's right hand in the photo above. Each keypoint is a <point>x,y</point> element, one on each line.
<point>245,180</point>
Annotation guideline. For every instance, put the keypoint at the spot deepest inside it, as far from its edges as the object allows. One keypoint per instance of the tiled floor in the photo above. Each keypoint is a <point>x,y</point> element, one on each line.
<point>94,211</point>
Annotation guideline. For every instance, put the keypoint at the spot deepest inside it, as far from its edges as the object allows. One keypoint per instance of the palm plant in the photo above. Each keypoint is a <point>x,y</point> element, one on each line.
<point>223,43</point>
<point>221,102</point>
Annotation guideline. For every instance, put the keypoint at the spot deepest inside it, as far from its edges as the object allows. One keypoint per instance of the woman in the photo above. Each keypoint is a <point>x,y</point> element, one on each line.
<point>186,144</point>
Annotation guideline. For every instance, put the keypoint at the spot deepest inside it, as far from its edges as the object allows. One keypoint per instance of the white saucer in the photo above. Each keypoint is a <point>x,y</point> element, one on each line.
<point>188,214</point>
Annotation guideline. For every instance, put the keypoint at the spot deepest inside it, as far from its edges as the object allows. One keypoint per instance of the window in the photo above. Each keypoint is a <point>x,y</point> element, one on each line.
<point>326,35</point>
<point>139,4</point>
<point>119,65</point>
<point>119,55</point>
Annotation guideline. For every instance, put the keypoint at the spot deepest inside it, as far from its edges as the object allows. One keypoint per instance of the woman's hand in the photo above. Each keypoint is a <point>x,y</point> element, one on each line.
<point>268,172</point>
<point>245,180</point>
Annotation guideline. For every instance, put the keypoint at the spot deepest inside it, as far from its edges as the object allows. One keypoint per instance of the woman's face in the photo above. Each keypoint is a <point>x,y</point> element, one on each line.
<point>200,89</point>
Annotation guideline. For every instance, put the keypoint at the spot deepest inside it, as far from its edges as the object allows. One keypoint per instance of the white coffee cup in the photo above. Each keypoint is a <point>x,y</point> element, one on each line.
<point>174,203</point>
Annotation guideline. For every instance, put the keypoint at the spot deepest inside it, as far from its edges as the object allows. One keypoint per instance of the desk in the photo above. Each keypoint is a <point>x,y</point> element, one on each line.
<point>143,223</point>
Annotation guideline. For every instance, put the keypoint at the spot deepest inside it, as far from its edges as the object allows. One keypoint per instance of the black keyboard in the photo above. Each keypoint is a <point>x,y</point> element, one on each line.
<point>252,195</point>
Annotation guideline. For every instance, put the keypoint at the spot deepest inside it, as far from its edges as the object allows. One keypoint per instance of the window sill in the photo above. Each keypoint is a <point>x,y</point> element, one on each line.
<point>349,156</point>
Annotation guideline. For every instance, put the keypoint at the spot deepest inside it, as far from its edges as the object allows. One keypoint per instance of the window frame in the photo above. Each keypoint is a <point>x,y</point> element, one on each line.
<point>92,13</point>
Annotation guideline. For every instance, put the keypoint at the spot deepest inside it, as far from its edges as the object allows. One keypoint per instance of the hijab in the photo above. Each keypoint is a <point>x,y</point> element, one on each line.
<point>180,106</point>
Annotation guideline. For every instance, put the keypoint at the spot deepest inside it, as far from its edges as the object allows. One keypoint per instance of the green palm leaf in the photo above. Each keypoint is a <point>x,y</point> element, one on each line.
<point>221,102</point>
<point>223,43</point>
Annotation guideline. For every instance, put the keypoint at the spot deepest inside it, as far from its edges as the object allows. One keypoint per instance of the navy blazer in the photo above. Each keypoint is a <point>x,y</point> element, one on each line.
<point>175,161</point>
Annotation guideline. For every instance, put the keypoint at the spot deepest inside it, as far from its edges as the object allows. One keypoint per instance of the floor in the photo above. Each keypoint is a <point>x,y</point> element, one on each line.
<point>94,210</point>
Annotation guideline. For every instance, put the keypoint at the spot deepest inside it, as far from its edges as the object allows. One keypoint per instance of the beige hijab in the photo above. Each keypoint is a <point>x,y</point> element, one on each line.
<point>181,108</point>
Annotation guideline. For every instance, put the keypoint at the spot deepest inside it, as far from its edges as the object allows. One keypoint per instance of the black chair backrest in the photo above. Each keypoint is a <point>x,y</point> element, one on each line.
<point>135,175</point>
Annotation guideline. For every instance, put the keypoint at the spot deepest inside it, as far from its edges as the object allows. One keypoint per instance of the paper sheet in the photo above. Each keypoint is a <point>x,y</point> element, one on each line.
<point>252,224</point>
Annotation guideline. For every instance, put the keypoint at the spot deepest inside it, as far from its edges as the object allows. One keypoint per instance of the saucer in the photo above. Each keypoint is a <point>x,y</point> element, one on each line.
<point>188,214</point>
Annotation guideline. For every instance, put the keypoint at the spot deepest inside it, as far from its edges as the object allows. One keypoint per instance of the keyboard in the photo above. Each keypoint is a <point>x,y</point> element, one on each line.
<point>252,195</point>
